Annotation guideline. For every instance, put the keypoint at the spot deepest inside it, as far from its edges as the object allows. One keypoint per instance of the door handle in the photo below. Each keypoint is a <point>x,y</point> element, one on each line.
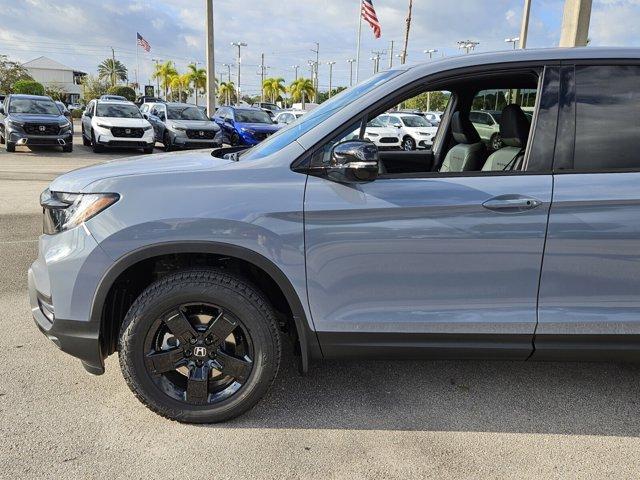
<point>511,203</point>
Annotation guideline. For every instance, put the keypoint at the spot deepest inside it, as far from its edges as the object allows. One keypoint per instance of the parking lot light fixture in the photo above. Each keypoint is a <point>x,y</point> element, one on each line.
<point>513,40</point>
<point>430,52</point>
<point>351,62</point>
<point>239,45</point>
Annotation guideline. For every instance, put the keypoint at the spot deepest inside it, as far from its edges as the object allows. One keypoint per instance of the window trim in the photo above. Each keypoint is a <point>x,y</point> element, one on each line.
<point>302,163</point>
<point>569,115</point>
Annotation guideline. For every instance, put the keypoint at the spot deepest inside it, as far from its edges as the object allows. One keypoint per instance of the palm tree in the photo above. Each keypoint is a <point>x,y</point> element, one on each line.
<point>301,89</point>
<point>273,87</point>
<point>227,92</point>
<point>181,84</point>
<point>113,70</point>
<point>165,71</point>
<point>198,77</point>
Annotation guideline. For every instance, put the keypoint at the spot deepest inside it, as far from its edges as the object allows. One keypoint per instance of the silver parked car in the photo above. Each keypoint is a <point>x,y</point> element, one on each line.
<point>182,125</point>
<point>196,269</point>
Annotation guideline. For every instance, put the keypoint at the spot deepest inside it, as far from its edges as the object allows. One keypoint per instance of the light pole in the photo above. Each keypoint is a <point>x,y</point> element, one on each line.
<point>157,61</point>
<point>211,64</point>
<point>430,52</point>
<point>239,45</point>
<point>296,67</point>
<point>331,64</point>
<point>351,61</point>
<point>513,40</point>
<point>524,28</point>
<point>228,65</point>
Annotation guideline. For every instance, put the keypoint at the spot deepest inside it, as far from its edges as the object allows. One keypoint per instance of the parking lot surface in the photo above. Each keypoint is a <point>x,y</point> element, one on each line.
<point>344,420</point>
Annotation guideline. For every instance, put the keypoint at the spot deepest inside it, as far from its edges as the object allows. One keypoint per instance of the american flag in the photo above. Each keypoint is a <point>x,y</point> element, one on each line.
<point>369,14</point>
<point>143,43</point>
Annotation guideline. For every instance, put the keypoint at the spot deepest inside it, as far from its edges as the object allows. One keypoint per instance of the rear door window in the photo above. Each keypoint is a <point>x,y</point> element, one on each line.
<point>607,118</point>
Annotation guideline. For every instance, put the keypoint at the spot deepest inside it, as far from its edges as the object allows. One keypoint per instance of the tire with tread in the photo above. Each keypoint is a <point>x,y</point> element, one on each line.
<point>11,147</point>
<point>202,285</point>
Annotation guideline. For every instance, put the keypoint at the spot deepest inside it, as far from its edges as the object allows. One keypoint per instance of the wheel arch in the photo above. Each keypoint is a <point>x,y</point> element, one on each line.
<point>306,337</point>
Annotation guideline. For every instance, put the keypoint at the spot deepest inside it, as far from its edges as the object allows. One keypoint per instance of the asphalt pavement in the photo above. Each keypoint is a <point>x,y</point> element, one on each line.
<point>374,420</point>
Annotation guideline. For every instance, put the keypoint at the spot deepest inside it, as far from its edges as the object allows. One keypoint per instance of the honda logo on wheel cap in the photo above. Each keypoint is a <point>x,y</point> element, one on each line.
<point>200,352</point>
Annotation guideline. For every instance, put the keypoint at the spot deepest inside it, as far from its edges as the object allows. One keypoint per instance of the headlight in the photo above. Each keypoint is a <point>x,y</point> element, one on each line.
<point>247,130</point>
<point>178,128</point>
<point>373,134</point>
<point>63,211</point>
<point>102,125</point>
<point>146,129</point>
<point>14,124</point>
<point>65,124</point>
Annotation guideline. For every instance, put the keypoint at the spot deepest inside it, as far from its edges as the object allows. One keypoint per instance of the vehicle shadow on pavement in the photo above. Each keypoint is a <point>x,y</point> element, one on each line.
<point>553,398</point>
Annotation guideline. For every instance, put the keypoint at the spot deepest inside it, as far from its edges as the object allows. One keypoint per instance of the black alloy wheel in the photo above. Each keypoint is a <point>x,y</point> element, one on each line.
<point>198,353</point>
<point>200,346</point>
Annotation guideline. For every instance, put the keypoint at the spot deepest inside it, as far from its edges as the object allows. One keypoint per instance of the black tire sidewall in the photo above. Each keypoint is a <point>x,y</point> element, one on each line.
<point>171,292</point>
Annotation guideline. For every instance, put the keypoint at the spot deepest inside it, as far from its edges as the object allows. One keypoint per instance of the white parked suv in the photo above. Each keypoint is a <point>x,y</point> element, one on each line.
<point>116,123</point>
<point>414,130</point>
<point>383,136</point>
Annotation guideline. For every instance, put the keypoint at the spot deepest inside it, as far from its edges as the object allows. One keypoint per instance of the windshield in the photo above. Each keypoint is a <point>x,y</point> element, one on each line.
<point>185,113</point>
<point>319,114</point>
<point>113,110</point>
<point>33,106</point>
<point>252,116</point>
<point>415,121</point>
<point>376,122</point>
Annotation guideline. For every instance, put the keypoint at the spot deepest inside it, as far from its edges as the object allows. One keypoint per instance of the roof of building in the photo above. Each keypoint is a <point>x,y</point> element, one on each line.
<point>46,63</point>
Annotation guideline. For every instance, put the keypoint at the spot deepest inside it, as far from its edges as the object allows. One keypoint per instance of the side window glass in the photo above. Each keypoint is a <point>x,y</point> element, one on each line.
<point>607,118</point>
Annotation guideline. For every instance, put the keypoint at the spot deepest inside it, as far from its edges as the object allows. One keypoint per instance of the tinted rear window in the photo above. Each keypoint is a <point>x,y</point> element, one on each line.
<point>607,118</point>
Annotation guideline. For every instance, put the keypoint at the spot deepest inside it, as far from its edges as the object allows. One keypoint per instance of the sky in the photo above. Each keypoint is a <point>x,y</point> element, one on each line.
<point>80,34</point>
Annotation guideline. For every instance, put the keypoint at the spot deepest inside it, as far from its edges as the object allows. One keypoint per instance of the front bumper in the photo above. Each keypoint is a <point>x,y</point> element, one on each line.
<point>62,283</point>
<point>105,138</point>
<point>79,339</point>
<point>181,140</point>
<point>21,138</point>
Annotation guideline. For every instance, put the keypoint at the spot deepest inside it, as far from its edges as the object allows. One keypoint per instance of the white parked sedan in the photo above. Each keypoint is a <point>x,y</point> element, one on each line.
<point>285,117</point>
<point>114,123</point>
<point>384,137</point>
<point>415,131</point>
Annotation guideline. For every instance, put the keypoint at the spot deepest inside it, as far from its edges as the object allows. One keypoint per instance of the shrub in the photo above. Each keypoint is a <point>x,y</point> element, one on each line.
<point>28,87</point>
<point>76,113</point>
<point>124,91</point>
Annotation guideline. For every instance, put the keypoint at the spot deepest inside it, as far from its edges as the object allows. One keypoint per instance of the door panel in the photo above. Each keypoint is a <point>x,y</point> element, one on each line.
<point>590,283</point>
<point>420,256</point>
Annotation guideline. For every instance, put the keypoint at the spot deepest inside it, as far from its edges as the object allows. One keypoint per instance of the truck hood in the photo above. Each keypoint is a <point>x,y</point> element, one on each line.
<point>29,118</point>
<point>122,122</point>
<point>259,127</point>
<point>77,181</point>
<point>194,124</point>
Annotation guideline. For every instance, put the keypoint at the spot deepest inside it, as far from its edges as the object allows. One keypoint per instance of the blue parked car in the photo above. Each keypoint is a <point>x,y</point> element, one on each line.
<point>244,125</point>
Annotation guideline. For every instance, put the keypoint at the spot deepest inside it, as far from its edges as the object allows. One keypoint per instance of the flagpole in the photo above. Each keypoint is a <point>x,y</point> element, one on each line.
<point>358,44</point>
<point>137,63</point>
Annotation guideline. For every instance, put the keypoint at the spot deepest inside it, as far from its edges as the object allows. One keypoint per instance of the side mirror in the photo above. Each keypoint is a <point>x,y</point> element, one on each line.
<point>397,125</point>
<point>229,121</point>
<point>162,116</point>
<point>354,161</point>
<point>1,109</point>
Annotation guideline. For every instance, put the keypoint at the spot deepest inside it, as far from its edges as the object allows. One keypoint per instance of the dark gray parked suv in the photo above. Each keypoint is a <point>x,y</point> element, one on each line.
<point>198,269</point>
<point>34,120</point>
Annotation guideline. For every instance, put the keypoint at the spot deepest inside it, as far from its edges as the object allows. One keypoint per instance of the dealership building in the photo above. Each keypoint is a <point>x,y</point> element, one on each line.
<point>50,73</point>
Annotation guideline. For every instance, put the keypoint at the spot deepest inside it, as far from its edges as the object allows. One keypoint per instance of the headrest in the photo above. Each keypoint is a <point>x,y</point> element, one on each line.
<point>514,126</point>
<point>463,130</point>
